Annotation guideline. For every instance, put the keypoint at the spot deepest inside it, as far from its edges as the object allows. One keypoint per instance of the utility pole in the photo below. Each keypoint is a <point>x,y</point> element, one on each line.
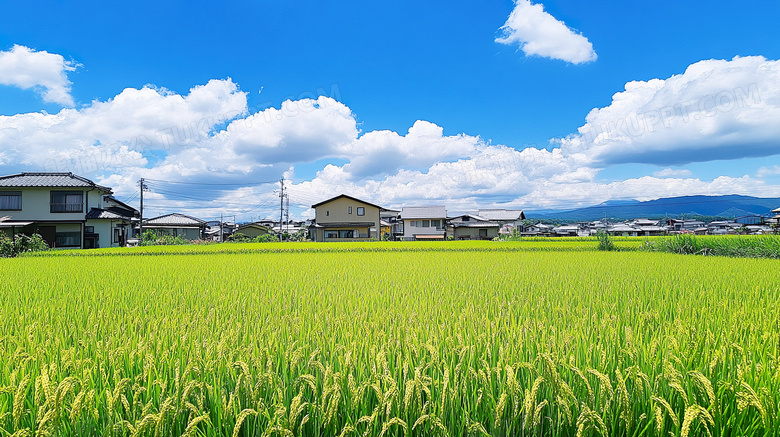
<point>221,229</point>
<point>142,186</point>
<point>287,214</point>
<point>281,208</point>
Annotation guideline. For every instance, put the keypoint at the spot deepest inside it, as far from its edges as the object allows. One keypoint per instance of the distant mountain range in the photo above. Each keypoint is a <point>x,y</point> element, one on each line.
<point>714,206</point>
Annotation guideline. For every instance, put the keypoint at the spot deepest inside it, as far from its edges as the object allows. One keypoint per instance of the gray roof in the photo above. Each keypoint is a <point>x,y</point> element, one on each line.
<point>174,220</point>
<point>423,212</point>
<point>48,180</point>
<point>96,213</point>
<point>479,224</point>
<point>502,214</point>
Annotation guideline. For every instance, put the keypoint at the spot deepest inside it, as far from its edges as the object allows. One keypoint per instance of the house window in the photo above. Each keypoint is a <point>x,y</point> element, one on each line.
<point>10,200</point>
<point>350,210</point>
<point>361,210</point>
<point>426,223</point>
<point>331,234</point>
<point>89,229</point>
<point>413,223</point>
<point>67,201</point>
<point>347,234</point>
<point>67,239</point>
<point>465,218</point>
<point>436,223</point>
<point>327,212</point>
<point>117,235</point>
<point>483,232</point>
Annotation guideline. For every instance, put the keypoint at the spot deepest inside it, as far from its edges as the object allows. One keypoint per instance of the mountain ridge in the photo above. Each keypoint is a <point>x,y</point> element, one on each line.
<point>726,206</point>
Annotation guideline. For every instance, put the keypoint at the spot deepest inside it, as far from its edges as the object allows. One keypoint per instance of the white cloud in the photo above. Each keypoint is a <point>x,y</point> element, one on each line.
<point>134,127</point>
<point>539,34</point>
<point>768,171</point>
<point>45,72</point>
<point>208,136</point>
<point>715,110</point>
<point>670,172</point>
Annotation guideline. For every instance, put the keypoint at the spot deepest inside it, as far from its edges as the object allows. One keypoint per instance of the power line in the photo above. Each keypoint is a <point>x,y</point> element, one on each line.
<point>212,184</point>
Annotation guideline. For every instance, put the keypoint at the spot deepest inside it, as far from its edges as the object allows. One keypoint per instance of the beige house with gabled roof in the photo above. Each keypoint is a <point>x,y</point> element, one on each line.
<point>346,218</point>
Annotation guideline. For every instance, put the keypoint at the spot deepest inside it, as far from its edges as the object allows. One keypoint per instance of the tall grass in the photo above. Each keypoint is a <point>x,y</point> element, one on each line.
<point>390,344</point>
<point>760,246</point>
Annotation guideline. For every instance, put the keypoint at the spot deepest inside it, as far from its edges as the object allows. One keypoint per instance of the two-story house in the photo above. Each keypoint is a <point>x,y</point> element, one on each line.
<point>423,222</point>
<point>346,218</point>
<point>66,210</point>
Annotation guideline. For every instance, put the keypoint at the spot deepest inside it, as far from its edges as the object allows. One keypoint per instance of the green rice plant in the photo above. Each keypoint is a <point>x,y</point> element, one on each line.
<point>370,339</point>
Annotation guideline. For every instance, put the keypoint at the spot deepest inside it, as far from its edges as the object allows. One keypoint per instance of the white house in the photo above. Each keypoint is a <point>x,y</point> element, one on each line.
<point>423,222</point>
<point>66,210</point>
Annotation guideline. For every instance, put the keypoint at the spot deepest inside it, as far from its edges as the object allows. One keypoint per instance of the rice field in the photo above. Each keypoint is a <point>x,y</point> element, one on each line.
<point>389,340</point>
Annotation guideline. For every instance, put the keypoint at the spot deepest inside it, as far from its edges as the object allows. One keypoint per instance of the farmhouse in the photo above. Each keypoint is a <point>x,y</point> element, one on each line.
<point>346,218</point>
<point>68,211</point>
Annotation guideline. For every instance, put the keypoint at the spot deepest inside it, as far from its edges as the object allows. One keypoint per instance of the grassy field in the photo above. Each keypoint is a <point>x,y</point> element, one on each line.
<point>537,338</point>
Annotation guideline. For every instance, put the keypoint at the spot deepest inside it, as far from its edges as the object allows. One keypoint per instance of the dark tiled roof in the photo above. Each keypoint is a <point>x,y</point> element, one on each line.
<point>48,180</point>
<point>96,213</point>
<point>348,197</point>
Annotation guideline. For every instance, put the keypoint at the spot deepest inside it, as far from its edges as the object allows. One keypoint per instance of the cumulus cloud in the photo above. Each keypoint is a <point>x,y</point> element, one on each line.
<point>126,131</point>
<point>45,72</point>
<point>670,172</point>
<point>716,109</point>
<point>210,136</point>
<point>539,34</point>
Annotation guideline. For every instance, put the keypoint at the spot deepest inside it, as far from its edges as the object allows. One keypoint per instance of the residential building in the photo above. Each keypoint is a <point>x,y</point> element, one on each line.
<point>570,230</point>
<point>177,225</point>
<point>423,222</point>
<point>622,229</point>
<point>253,230</point>
<point>472,227</point>
<point>66,210</point>
<point>509,220</point>
<point>537,230</point>
<point>345,218</point>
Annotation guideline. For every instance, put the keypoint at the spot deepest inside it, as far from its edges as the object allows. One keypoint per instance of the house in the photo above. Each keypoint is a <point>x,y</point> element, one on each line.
<point>253,230</point>
<point>472,227</point>
<point>537,230</point>
<point>722,227</point>
<point>623,229</point>
<point>66,210</point>
<point>570,230</point>
<point>689,226</point>
<point>176,225</point>
<point>647,227</point>
<point>509,220</point>
<point>775,220</point>
<point>345,218</point>
<point>423,222</point>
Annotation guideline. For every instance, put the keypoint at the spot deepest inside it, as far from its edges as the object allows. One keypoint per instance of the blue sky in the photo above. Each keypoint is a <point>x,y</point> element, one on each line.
<point>468,104</point>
